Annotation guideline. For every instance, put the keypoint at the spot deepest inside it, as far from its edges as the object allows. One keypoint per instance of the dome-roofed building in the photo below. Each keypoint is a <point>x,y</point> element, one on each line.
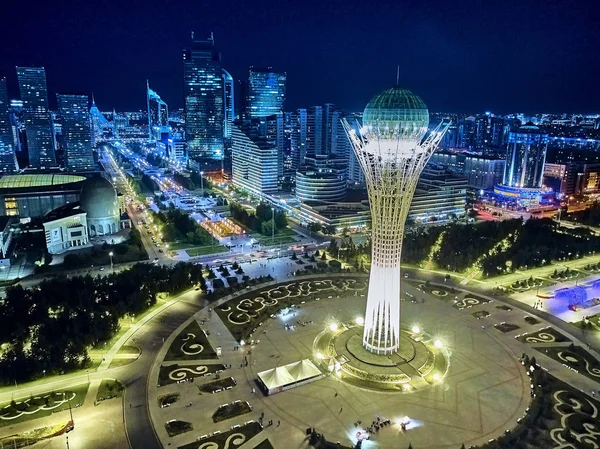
<point>397,111</point>
<point>99,199</point>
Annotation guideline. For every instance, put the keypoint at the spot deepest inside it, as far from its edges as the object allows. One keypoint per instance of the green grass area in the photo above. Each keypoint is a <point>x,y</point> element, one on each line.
<point>249,430</point>
<point>171,374</point>
<point>279,239</point>
<point>109,389</point>
<point>204,250</point>
<point>191,344</point>
<point>176,427</point>
<point>39,406</point>
<point>231,410</point>
<point>217,385</point>
<point>28,438</point>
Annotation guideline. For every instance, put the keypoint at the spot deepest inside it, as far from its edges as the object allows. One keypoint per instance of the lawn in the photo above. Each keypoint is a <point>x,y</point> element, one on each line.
<point>248,430</point>
<point>28,438</point>
<point>109,389</point>
<point>265,444</point>
<point>575,357</point>
<point>175,427</point>
<point>217,385</point>
<point>203,250</point>
<point>506,327</point>
<point>231,410</point>
<point>42,405</point>
<point>171,374</point>
<point>191,344</point>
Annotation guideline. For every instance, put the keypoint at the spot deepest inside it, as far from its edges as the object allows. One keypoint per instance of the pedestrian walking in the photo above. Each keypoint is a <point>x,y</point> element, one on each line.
<point>335,394</point>
<point>340,409</point>
<point>278,423</point>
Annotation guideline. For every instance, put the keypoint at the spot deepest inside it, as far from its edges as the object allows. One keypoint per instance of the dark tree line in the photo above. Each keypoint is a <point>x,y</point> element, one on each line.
<point>590,216</point>
<point>51,327</point>
<point>261,220</point>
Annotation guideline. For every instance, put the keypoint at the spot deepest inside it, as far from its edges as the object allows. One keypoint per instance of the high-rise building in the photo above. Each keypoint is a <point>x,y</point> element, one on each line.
<point>8,157</point>
<point>266,92</point>
<point>158,115</point>
<point>76,132</point>
<point>98,123</point>
<point>36,116</point>
<point>204,100</point>
<point>254,160</point>
<point>298,138</point>
<point>482,172</point>
<point>229,102</point>
<point>525,157</point>
<point>314,131</point>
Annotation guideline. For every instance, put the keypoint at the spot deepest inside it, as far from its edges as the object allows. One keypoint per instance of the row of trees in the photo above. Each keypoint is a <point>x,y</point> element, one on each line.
<point>590,216</point>
<point>260,221</point>
<point>193,182</point>
<point>494,247</point>
<point>177,226</point>
<point>50,328</point>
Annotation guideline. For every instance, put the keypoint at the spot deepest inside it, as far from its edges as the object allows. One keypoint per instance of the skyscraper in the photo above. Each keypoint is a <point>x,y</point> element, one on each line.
<point>266,92</point>
<point>36,116</point>
<point>76,131</point>
<point>98,122</point>
<point>158,114</point>
<point>8,158</point>
<point>204,100</point>
<point>229,102</point>
<point>525,157</point>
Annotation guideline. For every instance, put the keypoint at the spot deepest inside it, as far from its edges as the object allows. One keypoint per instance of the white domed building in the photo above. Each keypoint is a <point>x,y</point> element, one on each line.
<point>98,214</point>
<point>99,200</point>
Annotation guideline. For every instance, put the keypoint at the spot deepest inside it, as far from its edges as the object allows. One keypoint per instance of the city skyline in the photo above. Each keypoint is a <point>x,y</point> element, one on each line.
<point>503,68</point>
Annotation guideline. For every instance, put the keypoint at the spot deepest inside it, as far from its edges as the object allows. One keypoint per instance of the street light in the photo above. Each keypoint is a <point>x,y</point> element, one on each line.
<point>111,260</point>
<point>202,182</point>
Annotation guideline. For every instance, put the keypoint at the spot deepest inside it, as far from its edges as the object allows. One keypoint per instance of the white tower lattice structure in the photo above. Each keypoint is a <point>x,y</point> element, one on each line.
<point>392,152</point>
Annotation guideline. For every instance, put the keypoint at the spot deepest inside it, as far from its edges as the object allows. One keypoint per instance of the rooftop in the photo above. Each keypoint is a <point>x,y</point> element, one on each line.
<point>21,181</point>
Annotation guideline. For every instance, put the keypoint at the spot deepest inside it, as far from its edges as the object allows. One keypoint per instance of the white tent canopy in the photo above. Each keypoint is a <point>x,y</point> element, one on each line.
<point>288,376</point>
<point>275,378</point>
<point>302,370</point>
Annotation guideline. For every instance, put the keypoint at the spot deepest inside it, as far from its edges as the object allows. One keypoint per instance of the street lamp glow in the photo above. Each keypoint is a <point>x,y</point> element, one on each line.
<point>436,376</point>
<point>333,327</point>
<point>416,330</point>
<point>360,320</point>
<point>438,344</point>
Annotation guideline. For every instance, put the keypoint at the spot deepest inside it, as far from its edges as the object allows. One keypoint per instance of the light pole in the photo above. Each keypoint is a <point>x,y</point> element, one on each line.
<point>272,225</point>
<point>202,183</point>
<point>111,260</point>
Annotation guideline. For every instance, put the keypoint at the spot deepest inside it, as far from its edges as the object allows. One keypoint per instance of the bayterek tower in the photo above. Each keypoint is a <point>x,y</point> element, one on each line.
<point>392,147</point>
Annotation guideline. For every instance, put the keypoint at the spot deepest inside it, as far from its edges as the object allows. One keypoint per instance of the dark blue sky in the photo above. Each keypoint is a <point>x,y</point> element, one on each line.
<point>463,55</point>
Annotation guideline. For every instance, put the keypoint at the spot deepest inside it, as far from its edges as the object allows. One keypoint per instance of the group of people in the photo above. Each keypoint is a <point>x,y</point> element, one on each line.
<point>377,424</point>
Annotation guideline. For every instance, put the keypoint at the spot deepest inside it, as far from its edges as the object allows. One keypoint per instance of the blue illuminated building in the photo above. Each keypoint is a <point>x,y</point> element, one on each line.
<point>76,132</point>
<point>229,102</point>
<point>204,100</point>
<point>158,115</point>
<point>266,92</point>
<point>524,168</point>
<point>525,157</point>
<point>36,116</point>
<point>8,158</point>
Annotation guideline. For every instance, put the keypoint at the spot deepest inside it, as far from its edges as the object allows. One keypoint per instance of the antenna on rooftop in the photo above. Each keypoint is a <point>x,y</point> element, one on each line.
<point>398,75</point>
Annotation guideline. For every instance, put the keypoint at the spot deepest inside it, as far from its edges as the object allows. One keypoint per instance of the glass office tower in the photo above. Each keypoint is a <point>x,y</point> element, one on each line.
<point>76,131</point>
<point>8,158</point>
<point>266,92</point>
<point>525,157</point>
<point>229,101</point>
<point>36,116</point>
<point>203,99</point>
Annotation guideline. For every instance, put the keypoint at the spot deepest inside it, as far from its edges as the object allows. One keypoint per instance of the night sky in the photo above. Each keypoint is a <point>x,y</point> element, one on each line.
<point>462,56</point>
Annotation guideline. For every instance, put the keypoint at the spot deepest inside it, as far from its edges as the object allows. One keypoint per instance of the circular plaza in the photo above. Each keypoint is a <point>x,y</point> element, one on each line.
<point>451,381</point>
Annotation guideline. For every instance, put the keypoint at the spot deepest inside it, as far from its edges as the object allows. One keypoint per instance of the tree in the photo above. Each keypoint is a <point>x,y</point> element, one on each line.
<point>266,228</point>
<point>333,247</point>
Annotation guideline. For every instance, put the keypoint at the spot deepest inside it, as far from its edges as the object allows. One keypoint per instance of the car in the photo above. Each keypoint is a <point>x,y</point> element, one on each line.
<point>155,259</point>
<point>101,268</point>
<point>405,275</point>
<point>160,251</point>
